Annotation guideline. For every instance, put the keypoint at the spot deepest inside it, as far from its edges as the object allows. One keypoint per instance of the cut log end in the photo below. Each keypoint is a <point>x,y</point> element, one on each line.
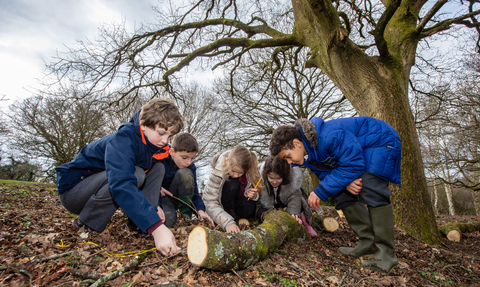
<point>454,235</point>
<point>243,221</point>
<point>330,224</point>
<point>197,247</point>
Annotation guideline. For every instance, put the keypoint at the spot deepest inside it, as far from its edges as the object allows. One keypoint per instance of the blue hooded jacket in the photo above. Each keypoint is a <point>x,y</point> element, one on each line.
<point>118,154</point>
<point>348,147</point>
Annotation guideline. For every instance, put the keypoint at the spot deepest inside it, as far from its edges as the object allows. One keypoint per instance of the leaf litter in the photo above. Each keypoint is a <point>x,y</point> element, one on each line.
<point>39,247</point>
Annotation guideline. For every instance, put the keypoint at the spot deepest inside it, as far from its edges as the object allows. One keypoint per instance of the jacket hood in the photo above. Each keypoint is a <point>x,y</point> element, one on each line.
<point>307,128</point>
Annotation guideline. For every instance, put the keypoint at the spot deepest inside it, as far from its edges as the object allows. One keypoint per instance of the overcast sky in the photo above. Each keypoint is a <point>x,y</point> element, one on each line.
<point>31,31</point>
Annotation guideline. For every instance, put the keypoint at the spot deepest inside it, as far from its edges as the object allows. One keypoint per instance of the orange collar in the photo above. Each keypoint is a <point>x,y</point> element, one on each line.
<point>158,155</point>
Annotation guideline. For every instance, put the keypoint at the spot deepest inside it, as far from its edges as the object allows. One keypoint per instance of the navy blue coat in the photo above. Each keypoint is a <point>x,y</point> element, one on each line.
<point>170,170</point>
<point>118,154</point>
<point>349,147</point>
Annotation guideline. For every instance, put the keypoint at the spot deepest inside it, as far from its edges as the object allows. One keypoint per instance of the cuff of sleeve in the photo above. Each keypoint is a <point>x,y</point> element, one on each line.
<point>322,193</point>
<point>153,227</point>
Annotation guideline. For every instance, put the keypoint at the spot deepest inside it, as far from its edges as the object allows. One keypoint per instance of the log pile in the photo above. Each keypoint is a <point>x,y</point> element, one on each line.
<point>453,230</point>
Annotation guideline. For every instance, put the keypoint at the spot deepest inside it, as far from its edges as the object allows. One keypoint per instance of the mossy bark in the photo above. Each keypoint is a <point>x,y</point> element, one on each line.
<point>377,86</point>
<point>222,251</point>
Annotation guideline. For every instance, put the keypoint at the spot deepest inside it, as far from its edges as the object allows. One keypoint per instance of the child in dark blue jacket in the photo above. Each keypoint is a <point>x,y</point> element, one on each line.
<point>179,187</point>
<point>355,159</point>
<point>120,170</point>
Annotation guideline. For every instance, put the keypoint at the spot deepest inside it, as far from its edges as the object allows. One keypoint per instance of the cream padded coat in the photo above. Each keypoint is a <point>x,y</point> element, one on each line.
<point>212,193</point>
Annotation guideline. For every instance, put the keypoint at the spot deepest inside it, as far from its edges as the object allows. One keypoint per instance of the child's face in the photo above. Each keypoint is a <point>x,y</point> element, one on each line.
<point>236,172</point>
<point>158,136</point>
<point>182,159</point>
<point>294,155</point>
<point>274,179</point>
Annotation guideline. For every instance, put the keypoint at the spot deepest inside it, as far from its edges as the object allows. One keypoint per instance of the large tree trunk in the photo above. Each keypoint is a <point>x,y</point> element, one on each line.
<point>222,251</point>
<point>377,87</point>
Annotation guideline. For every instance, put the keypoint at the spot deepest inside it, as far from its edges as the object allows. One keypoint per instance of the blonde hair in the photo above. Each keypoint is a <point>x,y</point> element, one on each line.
<point>241,157</point>
<point>162,112</point>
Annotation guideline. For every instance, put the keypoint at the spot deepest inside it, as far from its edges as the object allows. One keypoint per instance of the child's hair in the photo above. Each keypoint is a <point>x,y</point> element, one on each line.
<point>277,165</point>
<point>184,142</point>
<point>241,157</point>
<point>282,138</point>
<point>163,113</point>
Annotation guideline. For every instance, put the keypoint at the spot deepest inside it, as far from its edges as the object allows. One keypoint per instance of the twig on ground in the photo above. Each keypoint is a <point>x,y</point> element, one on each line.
<point>85,275</point>
<point>309,273</point>
<point>360,281</point>
<point>240,277</point>
<point>133,263</point>
<point>41,260</point>
<point>344,276</point>
<point>24,272</point>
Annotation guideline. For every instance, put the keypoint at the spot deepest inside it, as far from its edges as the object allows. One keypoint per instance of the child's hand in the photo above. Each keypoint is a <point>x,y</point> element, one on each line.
<point>252,193</point>
<point>313,200</point>
<point>161,213</point>
<point>355,186</point>
<point>164,192</point>
<point>297,218</point>
<point>165,241</point>
<point>232,228</point>
<point>203,214</point>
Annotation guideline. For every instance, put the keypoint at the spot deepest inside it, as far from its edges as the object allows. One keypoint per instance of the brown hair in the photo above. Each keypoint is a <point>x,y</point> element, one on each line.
<point>277,165</point>
<point>161,112</point>
<point>184,142</point>
<point>241,157</point>
<point>282,138</point>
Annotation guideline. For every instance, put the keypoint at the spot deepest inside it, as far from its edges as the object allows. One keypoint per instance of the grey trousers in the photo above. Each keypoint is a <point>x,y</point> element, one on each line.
<point>92,200</point>
<point>183,184</point>
<point>375,193</point>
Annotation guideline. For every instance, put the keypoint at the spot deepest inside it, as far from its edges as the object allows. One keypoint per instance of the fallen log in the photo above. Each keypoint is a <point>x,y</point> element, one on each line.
<point>222,251</point>
<point>326,223</point>
<point>453,230</point>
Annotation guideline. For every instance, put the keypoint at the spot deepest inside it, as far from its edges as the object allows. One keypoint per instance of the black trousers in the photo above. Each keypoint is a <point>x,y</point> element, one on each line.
<point>375,193</point>
<point>237,207</point>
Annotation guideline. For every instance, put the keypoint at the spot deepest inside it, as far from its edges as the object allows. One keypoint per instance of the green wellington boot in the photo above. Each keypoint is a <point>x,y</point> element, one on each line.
<point>358,219</point>
<point>185,205</point>
<point>384,259</point>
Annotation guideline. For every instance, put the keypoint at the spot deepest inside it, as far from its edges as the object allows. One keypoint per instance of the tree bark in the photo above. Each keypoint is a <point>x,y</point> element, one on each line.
<point>377,86</point>
<point>476,200</point>
<point>222,251</point>
<point>453,230</point>
<point>435,194</point>
<point>448,190</point>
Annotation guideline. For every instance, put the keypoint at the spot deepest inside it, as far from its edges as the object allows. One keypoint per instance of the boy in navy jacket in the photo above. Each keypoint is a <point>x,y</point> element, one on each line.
<point>355,159</point>
<point>120,170</point>
<point>179,187</point>
<point>182,172</point>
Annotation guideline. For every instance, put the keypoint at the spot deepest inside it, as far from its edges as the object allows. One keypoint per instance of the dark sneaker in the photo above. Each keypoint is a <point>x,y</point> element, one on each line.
<point>77,224</point>
<point>132,226</point>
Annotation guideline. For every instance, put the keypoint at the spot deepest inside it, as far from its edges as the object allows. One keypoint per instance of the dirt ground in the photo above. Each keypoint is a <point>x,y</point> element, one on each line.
<point>39,247</point>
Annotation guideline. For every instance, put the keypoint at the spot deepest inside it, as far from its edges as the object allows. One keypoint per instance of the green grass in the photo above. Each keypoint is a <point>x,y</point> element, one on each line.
<point>17,182</point>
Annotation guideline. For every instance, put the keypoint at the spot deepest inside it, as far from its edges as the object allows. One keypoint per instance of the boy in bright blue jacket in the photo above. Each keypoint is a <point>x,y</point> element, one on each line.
<point>355,159</point>
<point>120,170</point>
